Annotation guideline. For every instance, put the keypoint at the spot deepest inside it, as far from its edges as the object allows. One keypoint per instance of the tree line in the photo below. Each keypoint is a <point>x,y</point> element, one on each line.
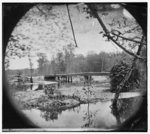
<point>70,63</point>
<point>67,62</point>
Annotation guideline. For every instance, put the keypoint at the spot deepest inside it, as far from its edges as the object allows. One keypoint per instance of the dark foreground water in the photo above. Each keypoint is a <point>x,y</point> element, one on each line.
<point>99,115</point>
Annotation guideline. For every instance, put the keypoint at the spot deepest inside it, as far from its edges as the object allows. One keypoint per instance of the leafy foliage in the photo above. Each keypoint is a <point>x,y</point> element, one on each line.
<point>118,73</point>
<point>15,48</point>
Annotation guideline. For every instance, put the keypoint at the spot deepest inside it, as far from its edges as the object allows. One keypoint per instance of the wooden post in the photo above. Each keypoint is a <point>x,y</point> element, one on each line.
<point>71,79</point>
<point>60,78</point>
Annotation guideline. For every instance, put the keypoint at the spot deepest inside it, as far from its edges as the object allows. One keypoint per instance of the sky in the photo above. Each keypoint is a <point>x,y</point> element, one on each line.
<point>49,32</point>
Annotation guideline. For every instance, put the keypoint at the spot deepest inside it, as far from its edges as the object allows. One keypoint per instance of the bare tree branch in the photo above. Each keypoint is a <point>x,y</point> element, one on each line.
<point>41,10</point>
<point>71,26</point>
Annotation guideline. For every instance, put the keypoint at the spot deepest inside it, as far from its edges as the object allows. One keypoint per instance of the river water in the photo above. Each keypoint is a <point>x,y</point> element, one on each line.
<point>99,115</point>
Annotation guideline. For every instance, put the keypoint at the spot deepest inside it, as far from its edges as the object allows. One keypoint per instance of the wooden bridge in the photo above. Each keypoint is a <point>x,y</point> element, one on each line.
<point>68,77</point>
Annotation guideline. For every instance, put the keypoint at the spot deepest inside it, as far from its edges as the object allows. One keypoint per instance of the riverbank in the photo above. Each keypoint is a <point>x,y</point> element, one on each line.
<point>64,99</point>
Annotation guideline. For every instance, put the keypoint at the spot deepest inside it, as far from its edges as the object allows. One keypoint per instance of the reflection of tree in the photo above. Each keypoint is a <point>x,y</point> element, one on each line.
<point>89,117</point>
<point>31,86</point>
<point>123,109</point>
<point>50,115</point>
<point>116,113</point>
<point>78,109</point>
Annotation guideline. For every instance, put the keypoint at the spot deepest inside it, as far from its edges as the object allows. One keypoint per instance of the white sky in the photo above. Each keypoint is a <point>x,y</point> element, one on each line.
<point>46,35</point>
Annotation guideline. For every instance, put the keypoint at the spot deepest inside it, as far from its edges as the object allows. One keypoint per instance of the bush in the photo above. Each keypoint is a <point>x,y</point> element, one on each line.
<point>118,73</point>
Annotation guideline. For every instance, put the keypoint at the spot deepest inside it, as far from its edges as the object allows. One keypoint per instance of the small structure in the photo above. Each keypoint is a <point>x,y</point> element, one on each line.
<point>49,87</point>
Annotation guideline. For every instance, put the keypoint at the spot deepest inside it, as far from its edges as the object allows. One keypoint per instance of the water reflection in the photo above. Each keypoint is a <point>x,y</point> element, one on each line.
<point>50,115</point>
<point>101,115</point>
<point>125,108</point>
<point>89,117</point>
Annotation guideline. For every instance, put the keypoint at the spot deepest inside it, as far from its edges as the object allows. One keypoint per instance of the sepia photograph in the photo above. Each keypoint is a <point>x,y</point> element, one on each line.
<point>74,67</point>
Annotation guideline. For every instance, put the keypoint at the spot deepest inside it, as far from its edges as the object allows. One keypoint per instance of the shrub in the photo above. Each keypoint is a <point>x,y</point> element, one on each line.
<point>118,73</point>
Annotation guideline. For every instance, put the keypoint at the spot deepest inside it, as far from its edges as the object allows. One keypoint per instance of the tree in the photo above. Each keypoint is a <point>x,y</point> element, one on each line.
<point>30,64</point>
<point>116,36</point>
<point>69,57</point>
<point>116,31</point>
<point>60,61</point>
<point>42,63</point>
<point>15,48</point>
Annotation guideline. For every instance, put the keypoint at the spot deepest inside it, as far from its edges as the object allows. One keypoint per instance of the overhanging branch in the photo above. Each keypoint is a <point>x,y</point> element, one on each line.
<point>98,18</point>
<point>71,26</point>
<point>127,51</point>
<point>41,10</point>
<point>107,33</point>
<point>128,39</point>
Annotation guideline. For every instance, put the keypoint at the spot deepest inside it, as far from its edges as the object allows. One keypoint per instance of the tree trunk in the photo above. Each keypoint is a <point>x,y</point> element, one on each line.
<point>120,86</point>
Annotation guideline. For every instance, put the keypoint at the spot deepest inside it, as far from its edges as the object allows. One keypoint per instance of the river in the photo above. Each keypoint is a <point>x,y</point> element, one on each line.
<point>100,115</point>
